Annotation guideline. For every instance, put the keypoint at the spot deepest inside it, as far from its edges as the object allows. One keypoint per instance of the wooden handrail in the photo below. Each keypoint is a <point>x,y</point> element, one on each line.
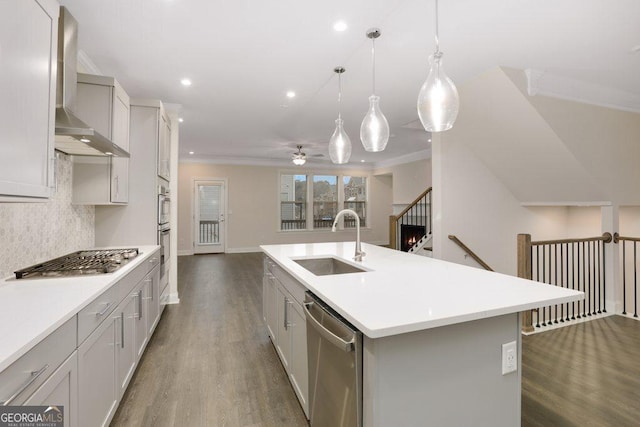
<point>415,202</point>
<point>606,237</point>
<point>470,252</point>
<point>617,238</point>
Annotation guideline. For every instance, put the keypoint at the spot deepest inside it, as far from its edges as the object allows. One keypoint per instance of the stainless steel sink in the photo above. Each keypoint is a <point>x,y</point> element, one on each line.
<point>328,266</point>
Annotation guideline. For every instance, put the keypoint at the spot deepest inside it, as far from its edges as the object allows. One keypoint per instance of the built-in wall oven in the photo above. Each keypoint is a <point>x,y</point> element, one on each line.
<point>164,231</point>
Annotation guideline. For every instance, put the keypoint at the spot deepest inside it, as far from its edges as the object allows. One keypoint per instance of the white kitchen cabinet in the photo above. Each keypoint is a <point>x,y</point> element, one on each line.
<point>103,104</point>
<point>29,34</point>
<point>164,147</point>
<point>97,374</point>
<point>286,324</point>
<point>298,369</point>
<point>153,300</point>
<point>60,389</point>
<point>283,343</point>
<point>126,343</point>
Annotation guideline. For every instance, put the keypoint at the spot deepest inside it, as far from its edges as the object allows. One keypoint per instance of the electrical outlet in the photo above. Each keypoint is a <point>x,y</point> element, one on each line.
<point>509,357</point>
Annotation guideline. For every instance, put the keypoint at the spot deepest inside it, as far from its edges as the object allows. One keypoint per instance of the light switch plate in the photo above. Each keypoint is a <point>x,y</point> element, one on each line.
<point>509,357</point>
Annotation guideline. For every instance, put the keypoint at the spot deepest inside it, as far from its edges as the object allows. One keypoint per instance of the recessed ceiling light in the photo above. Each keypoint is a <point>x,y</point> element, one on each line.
<point>85,140</point>
<point>291,94</point>
<point>340,26</point>
<point>190,152</point>
<point>185,82</point>
<point>108,153</point>
<point>635,49</point>
<point>180,119</point>
<point>362,161</point>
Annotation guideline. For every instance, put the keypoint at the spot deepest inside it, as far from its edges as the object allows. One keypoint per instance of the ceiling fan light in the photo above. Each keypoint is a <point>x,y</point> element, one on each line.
<point>299,158</point>
<point>374,130</point>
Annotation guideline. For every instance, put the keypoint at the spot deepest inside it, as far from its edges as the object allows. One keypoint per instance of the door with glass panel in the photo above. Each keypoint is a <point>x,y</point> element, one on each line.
<point>209,217</point>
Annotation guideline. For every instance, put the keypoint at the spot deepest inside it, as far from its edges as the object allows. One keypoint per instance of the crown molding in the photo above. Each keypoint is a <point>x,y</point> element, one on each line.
<point>547,84</point>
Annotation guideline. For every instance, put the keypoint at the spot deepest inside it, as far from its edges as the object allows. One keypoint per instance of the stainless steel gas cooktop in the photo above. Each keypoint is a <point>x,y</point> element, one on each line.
<point>99,261</point>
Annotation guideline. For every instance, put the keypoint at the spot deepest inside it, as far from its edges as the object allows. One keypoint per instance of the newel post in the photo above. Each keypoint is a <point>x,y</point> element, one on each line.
<point>392,231</point>
<point>524,271</point>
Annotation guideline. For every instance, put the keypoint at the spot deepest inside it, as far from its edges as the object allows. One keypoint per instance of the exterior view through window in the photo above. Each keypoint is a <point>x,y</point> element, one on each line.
<point>325,195</point>
<point>293,202</point>
<point>355,198</point>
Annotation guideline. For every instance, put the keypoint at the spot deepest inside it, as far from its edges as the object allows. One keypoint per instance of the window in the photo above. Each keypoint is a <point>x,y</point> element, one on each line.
<point>324,195</point>
<point>325,200</point>
<point>355,198</point>
<point>293,202</point>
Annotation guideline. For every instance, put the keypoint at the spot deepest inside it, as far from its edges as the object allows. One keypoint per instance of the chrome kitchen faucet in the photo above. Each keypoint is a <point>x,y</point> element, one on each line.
<point>359,253</point>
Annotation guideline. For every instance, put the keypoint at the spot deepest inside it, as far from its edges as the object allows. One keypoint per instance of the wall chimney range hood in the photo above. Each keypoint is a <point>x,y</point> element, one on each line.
<point>74,136</point>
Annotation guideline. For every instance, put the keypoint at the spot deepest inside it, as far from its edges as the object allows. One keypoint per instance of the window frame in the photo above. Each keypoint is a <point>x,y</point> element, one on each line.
<point>310,174</point>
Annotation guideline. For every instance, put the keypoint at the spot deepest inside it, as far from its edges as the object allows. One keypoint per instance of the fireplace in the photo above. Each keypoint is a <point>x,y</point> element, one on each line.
<point>409,235</point>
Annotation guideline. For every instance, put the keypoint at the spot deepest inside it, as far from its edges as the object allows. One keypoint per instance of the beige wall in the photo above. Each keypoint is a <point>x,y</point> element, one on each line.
<point>253,194</point>
<point>409,180</point>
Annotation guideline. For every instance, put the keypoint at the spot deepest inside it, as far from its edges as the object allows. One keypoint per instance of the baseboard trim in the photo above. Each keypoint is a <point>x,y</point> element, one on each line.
<point>173,299</point>
<point>185,252</point>
<point>243,250</point>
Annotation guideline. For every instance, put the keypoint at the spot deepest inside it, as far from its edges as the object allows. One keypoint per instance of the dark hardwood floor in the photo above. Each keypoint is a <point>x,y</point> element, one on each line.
<point>210,362</point>
<point>586,374</point>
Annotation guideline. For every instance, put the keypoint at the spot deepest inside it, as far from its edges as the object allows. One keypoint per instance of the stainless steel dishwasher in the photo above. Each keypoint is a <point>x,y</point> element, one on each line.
<point>334,351</point>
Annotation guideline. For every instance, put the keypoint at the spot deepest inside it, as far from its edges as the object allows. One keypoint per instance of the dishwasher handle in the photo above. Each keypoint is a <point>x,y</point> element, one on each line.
<point>343,345</point>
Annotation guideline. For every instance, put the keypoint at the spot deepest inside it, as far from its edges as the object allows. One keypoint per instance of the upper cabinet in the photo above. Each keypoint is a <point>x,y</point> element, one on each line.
<point>164,146</point>
<point>28,41</point>
<point>103,104</point>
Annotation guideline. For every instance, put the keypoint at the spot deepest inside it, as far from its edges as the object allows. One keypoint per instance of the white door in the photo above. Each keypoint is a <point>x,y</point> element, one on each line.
<point>209,217</point>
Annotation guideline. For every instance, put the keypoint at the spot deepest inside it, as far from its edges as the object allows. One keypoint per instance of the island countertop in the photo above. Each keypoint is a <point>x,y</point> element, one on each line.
<point>404,292</point>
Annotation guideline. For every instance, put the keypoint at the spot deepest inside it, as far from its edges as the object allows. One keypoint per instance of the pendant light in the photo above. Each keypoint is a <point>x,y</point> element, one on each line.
<point>374,131</point>
<point>438,100</point>
<point>339,144</point>
<point>299,158</point>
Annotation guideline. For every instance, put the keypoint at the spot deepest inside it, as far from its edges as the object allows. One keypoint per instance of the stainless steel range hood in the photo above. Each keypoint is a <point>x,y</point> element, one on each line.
<point>74,136</point>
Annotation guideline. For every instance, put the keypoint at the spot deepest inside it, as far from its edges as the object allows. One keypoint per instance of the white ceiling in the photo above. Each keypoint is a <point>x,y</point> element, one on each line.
<point>243,56</point>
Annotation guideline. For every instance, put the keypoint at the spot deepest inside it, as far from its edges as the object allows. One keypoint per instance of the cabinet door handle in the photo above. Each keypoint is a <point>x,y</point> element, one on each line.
<point>122,329</point>
<point>286,313</point>
<point>140,304</point>
<point>104,310</point>
<point>34,376</point>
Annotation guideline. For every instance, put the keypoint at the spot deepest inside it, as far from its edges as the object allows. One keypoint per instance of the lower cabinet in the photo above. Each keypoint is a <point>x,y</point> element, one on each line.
<point>97,370</point>
<point>286,325</point>
<point>60,389</point>
<point>108,358</point>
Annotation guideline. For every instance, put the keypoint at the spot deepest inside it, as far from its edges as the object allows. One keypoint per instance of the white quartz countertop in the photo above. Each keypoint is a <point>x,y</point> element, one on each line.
<point>30,309</point>
<point>404,292</point>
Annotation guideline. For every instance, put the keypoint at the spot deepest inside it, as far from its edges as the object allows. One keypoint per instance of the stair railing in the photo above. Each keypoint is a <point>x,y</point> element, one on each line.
<point>629,268</point>
<point>417,213</point>
<point>470,252</point>
<point>577,264</point>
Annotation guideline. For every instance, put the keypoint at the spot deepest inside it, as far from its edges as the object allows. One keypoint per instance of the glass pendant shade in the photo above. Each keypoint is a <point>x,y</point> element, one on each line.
<point>374,131</point>
<point>438,100</point>
<point>339,144</point>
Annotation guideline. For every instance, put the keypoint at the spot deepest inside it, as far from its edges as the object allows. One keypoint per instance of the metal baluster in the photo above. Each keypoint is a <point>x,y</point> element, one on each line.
<point>544,280</point>
<point>635,280</point>
<point>573,278</point>
<point>604,278</point>
<point>599,269</point>
<point>590,300</point>
<point>578,265</point>
<point>562,281</point>
<point>538,279</point>
<point>555,268</point>
<point>624,277</point>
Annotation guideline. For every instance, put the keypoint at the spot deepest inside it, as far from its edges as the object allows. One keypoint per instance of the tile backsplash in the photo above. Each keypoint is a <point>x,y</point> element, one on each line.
<point>35,232</point>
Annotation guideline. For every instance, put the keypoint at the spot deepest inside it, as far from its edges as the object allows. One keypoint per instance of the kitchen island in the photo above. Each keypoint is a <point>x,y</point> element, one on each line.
<point>433,332</point>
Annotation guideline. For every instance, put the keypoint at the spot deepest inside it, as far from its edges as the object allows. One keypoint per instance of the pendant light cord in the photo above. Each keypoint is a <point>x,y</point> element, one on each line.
<point>373,64</point>
<point>437,38</point>
<point>339,93</point>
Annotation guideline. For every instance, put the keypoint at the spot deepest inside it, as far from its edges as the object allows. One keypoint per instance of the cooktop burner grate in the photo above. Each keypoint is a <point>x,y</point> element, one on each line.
<point>99,261</point>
